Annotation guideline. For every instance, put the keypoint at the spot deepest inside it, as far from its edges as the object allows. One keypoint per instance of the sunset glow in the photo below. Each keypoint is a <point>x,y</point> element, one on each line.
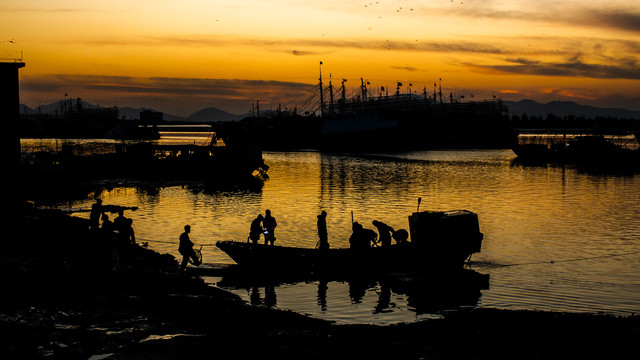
<point>179,57</point>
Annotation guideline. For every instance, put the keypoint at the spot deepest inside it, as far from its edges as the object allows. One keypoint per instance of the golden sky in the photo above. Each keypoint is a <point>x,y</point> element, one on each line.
<point>181,56</point>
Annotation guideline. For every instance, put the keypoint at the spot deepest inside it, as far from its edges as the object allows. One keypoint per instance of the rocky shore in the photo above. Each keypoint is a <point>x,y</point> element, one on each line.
<point>64,299</point>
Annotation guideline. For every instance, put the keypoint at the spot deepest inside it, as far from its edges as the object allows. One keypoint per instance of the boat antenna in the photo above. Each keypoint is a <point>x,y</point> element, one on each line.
<point>352,217</point>
<point>419,200</point>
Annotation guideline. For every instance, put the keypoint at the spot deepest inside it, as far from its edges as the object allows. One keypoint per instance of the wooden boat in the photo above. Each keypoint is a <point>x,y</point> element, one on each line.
<point>440,241</point>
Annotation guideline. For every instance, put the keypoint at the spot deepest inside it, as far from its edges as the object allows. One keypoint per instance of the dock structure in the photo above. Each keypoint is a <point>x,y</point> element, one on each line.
<point>10,117</point>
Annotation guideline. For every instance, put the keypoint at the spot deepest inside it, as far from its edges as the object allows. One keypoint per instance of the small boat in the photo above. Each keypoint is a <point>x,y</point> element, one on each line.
<point>440,241</point>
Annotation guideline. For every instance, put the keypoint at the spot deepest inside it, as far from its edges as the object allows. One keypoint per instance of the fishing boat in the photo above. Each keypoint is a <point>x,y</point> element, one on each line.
<point>619,151</point>
<point>439,241</point>
<point>181,153</point>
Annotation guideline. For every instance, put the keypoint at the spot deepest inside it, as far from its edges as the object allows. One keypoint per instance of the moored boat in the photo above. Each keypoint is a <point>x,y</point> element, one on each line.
<point>440,241</point>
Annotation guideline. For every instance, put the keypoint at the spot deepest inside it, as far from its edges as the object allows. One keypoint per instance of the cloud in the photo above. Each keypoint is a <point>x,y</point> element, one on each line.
<point>625,68</point>
<point>303,53</point>
<point>616,19</point>
<point>625,18</point>
<point>406,68</point>
<point>178,96</point>
<point>288,44</point>
<point>24,9</point>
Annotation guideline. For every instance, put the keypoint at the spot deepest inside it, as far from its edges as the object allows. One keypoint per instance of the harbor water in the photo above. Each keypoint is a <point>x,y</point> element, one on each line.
<point>555,237</point>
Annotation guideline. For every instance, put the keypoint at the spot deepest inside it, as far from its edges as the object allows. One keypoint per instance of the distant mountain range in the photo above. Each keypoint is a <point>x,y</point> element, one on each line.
<point>211,114</point>
<point>565,108</point>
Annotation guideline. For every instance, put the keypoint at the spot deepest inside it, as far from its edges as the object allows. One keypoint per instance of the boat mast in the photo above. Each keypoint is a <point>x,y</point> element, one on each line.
<point>321,92</point>
<point>330,95</point>
<point>363,88</point>
<point>344,94</point>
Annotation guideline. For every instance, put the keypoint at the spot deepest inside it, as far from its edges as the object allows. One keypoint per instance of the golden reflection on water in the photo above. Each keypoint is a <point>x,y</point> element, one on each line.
<point>571,239</point>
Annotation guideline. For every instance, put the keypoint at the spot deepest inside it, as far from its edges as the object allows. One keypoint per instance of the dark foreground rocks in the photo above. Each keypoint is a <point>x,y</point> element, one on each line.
<point>64,299</point>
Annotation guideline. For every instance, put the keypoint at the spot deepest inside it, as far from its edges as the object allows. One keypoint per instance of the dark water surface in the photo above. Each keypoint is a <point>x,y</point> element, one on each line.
<point>556,238</point>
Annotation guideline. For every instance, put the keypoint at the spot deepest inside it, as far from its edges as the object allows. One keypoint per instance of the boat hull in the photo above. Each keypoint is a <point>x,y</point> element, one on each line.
<point>439,241</point>
<point>370,260</point>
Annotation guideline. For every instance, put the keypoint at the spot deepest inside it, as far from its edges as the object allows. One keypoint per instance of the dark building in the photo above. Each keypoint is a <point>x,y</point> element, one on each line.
<point>10,116</point>
<point>151,117</point>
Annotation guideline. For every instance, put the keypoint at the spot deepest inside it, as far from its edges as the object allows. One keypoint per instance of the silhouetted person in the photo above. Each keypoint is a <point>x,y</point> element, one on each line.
<point>122,238</point>
<point>401,236</point>
<point>361,238</point>
<point>120,222</point>
<point>256,229</point>
<point>94,216</point>
<point>368,237</point>
<point>107,226</point>
<point>322,231</point>
<point>269,224</point>
<point>186,249</point>
<point>385,232</point>
<point>127,232</point>
<point>354,239</point>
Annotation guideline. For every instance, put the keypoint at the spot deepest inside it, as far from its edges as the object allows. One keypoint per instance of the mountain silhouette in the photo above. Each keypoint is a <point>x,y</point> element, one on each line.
<point>212,114</point>
<point>566,108</point>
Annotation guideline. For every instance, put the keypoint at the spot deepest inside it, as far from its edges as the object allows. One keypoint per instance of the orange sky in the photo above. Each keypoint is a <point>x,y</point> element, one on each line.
<point>181,56</point>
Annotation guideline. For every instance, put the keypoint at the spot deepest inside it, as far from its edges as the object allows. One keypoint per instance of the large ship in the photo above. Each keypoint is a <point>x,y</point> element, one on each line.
<point>372,119</point>
<point>408,120</point>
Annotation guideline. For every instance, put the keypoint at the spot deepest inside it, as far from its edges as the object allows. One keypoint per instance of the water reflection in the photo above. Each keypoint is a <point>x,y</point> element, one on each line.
<point>537,215</point>
<point>392,298</point>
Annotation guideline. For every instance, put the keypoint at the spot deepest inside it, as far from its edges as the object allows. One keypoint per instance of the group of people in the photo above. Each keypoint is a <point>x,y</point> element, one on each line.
<point>360,238</point>
<point>119,233</point>
<point>263,225</point>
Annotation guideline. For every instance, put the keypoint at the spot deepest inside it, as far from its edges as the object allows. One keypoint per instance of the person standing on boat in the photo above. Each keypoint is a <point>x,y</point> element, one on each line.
<point>354,239</point>
<point>186,249</point>
<point>256,229</point>
<point>385,232</point>
<point>122,234</point>
<point>269,224</point>
<point>322,231</point>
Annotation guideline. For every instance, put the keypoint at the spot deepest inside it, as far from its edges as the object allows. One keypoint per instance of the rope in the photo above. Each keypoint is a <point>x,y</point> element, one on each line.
<point>167,242</point>
<point>567,260</point>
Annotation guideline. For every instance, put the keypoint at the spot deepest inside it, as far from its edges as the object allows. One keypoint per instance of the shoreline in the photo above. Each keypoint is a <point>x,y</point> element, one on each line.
<point>64,299</point>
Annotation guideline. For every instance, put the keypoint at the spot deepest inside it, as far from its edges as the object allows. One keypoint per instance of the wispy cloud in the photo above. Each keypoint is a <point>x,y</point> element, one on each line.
<point>292,45</point>
<point>28,9</point>
<point>604,15</point>
<point>180,96</point>
<point>572,68</point>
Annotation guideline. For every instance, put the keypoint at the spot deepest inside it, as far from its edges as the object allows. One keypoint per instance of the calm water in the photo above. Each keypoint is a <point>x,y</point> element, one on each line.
<point>555,238</point>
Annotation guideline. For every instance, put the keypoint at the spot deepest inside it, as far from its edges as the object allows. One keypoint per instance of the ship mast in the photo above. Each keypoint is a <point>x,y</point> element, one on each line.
<point>321,92</point>
<point>363,89</point>
<point>330,95</point>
